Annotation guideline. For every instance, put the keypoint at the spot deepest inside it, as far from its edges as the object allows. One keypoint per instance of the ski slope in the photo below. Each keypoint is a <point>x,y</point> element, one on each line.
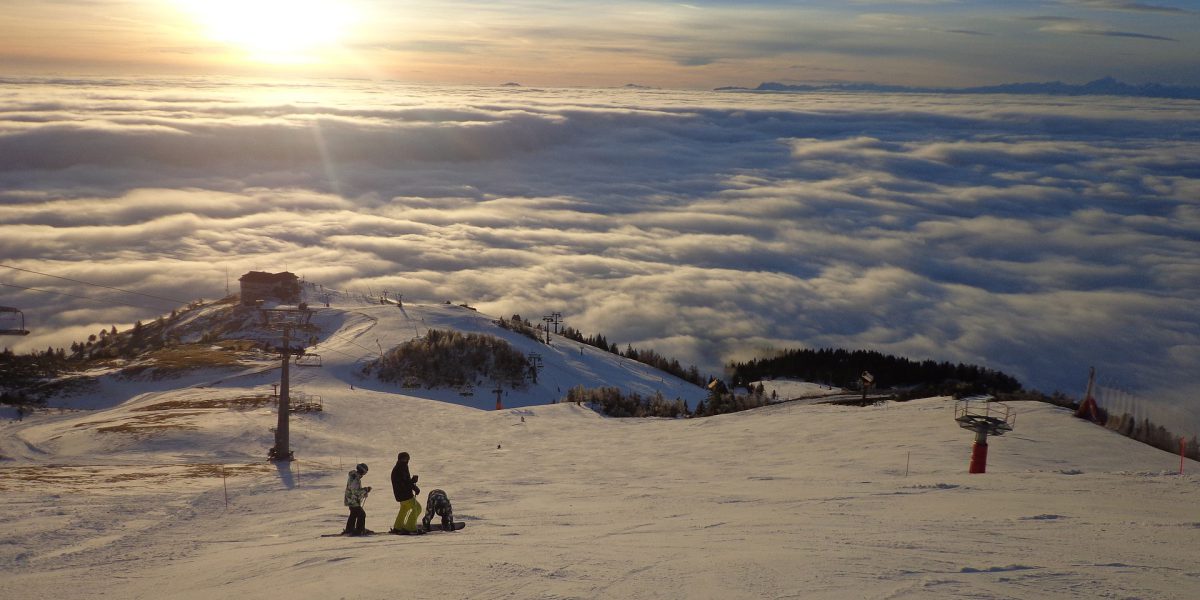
<point>161,491</point>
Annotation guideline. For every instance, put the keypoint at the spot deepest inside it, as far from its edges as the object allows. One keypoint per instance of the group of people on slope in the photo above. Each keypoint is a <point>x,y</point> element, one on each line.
<point>404,487</point>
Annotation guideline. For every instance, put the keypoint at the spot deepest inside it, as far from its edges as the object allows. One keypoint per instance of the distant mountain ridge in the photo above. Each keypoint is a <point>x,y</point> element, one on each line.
<point>1106,86</point>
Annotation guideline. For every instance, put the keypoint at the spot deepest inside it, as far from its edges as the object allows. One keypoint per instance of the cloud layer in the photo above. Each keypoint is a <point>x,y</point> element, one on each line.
<point>1036,235</point>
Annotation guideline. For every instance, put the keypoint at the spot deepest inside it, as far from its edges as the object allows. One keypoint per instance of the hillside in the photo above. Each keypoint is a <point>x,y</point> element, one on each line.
<point>159,489</point>
<point>220,343</point>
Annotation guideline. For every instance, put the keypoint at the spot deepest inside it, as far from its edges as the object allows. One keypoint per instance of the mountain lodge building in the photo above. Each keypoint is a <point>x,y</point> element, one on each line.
<point>257,285</point>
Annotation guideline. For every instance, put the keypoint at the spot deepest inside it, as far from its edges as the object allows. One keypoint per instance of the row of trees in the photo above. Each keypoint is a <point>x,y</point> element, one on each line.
<point>643,355</point>
<point>1143,430</point>
<point>451,358</point>
<point>844,368</point>
<point>523,327</point>
<point>1152,434</point>
<point>29,379</point>
<point>649,357</point>
<point>722,401</point>
<point>614,402</point>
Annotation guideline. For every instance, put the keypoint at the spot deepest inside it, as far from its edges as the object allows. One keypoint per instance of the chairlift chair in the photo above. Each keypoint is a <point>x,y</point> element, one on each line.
<point>14,324</point>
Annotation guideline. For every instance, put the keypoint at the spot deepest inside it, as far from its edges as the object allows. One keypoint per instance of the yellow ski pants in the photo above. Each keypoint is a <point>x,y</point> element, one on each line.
<point>406,519</point>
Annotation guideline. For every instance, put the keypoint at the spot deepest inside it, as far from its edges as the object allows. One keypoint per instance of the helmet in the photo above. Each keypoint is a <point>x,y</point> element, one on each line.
<point>361,468</point>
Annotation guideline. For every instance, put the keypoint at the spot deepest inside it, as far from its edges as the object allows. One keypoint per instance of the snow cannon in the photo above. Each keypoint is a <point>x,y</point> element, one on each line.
<point>984,417</point>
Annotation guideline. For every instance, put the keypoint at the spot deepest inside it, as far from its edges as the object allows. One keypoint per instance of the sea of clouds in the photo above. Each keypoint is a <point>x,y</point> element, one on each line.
<point>1036,235</point>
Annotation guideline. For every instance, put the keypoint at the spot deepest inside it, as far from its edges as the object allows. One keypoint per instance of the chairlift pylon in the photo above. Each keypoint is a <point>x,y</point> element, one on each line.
<point>6,327</point>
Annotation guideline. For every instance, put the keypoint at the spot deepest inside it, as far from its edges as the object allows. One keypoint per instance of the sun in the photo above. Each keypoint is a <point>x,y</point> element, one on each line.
<point>273,31</point>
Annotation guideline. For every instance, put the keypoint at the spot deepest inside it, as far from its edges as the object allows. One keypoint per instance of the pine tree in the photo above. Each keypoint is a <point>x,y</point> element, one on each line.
<point>137,335</point>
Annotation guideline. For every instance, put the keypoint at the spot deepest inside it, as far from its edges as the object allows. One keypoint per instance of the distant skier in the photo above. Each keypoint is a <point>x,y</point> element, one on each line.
<point>404,486</point>
<point>356,494</point>
<point>438,503</point>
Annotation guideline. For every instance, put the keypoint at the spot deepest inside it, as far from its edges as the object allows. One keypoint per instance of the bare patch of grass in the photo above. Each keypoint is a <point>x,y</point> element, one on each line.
<point>174,414</point>
<point>185,357</point>
<point>77,477</point>
<point>154,423</point>
<point>220,470</point>
<point>241,402</point>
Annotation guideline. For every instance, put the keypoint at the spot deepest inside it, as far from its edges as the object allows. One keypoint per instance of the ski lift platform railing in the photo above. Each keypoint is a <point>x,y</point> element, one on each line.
<point>308,359</point>
<point>302,402</point>
<point>980,413</point>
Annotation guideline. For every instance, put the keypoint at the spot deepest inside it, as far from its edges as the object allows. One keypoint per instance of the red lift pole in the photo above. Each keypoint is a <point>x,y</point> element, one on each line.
<point>984,417</point>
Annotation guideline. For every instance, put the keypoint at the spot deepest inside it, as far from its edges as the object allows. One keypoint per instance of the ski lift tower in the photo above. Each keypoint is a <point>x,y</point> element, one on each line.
<point>984,417</point>
<point>285,319</point>
<point>535,365</point>
<point>14,324</point>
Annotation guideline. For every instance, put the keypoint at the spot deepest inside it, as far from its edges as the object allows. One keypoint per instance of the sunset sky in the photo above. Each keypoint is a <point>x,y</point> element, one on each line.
<point>701,44</point>
<point>166,148</point>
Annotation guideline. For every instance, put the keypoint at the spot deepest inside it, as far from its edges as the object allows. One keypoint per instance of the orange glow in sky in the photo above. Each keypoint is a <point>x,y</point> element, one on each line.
<point>274,31</point>
<point>605,44</point>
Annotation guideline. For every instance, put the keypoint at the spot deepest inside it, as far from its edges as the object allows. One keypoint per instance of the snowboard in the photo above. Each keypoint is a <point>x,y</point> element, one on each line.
<point>437,527</point>
<point>348,535</point>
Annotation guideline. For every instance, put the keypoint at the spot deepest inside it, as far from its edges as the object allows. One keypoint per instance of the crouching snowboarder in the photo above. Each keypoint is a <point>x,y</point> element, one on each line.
<point>356,495</point>
<point>438,503</point>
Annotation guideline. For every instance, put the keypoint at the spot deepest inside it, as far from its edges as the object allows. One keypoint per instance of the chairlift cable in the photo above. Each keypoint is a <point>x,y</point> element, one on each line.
<point>97,300</point>
<point>95,284</point>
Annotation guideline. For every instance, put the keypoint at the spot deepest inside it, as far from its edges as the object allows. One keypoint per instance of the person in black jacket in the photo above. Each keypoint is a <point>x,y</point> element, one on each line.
<point>404,486</point>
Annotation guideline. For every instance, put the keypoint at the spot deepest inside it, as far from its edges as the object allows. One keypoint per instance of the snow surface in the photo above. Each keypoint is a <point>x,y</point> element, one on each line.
<point>796,500</point>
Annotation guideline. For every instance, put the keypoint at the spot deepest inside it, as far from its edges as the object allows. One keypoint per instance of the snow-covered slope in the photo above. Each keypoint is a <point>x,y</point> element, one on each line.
<point>166,493</point>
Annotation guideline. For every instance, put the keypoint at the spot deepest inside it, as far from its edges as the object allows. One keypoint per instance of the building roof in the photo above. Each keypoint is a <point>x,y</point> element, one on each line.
<point>263,277</point>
